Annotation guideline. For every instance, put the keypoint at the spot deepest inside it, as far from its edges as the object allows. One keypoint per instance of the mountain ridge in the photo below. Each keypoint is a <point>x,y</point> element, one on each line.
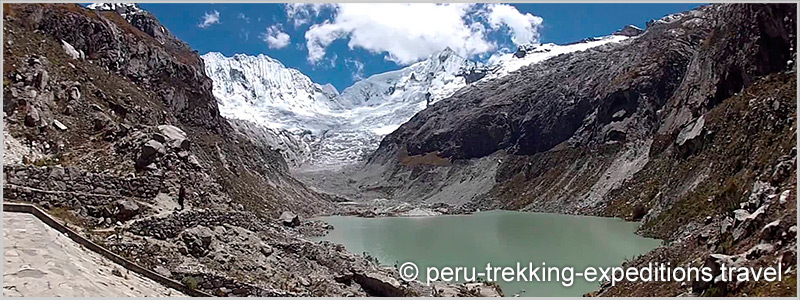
<point>361,114</point>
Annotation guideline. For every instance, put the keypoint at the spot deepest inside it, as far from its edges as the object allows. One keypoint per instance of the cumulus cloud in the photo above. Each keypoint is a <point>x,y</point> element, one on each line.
<point>304,13</point>
<point>407,33</point>
<point>276,38</point>
<point>524,28</point>
<point>210,18</point>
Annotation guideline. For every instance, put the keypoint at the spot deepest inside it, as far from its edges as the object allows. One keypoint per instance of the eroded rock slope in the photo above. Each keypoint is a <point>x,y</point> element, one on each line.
<point>689,127</point>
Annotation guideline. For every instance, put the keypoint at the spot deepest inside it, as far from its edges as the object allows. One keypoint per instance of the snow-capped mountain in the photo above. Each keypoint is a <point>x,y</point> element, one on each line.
<point>503,63</point>
<point>262,90</point>
<point>122,8</point>
<point>429,80</point>
<point>343,128</point>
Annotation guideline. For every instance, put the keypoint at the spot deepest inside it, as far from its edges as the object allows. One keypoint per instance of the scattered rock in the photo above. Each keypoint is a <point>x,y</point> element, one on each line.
<point>290,219</point>
<point>60,126</point>
<point>163,271</point>
<point>198,240</point>
<point>126,209</point>
<point>32,118</point>
<point>784,197</point>
<point>266,249</point>
<point>116,272</point>
<point>782,171</point>
<point>74,93</point>
<point>175,137</point>
<point>758,251</point>
<point>101,121</point>
<point>771,231</point>
<point>41,79</point>
<point>71,52</point>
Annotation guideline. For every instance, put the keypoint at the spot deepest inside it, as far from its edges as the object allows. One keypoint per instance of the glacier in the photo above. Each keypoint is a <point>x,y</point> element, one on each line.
<point>316,127</point>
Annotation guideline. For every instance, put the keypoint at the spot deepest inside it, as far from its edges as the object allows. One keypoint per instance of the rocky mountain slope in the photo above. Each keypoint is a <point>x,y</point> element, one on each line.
<point>327,130</point>
<point>110,124</point>
<point>689,127</point>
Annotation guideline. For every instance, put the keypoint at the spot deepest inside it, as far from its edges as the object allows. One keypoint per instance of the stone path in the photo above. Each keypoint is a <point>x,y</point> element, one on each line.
<point>40,261</point>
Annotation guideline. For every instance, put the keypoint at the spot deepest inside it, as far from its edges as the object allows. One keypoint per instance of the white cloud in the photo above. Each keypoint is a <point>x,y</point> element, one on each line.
<point>407,33</point>
<point>276,38</point>
<point>304,13</point>
<point>356,68</point>
<point>524,28</point>
<point>244,17</point>
<point>210,18</point>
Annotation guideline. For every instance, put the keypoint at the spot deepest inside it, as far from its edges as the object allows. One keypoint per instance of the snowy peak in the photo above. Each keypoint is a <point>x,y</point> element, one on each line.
<point>262,90</point>
<point>502,64</point>
<point>123,9</point>
<point>429,80</point>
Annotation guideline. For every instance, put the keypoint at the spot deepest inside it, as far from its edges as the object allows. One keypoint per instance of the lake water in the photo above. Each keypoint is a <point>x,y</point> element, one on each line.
<point>501,238</point>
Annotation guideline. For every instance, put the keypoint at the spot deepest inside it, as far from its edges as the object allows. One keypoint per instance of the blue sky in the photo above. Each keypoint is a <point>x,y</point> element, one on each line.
<point>352,42</point>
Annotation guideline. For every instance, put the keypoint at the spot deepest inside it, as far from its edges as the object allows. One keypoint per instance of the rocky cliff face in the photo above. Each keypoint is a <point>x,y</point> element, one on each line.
<point>647,129</point>
<point>609,93</point>
<point>111,125</point>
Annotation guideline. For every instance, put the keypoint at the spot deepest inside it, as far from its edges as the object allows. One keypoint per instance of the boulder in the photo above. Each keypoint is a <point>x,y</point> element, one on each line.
<point>126,209</point>
<point>726,225</point>
<point>771,231</point>
<point>32,117</point>
<point>152,148</point>
<point>71,52</point>
<point>175,137</point>
<point>41,79</point>
<point>690,138</point>
<point>290,219</point>
<point>163,271</point>
<point>60,126</point>
<point>74,92</point>
<point>377,284</point>
<point>198,240</point>
<point>101,121</point>
<point>784,196</point>
<point>715,262</point>
<point>266,249</point>
<point>744,221</point>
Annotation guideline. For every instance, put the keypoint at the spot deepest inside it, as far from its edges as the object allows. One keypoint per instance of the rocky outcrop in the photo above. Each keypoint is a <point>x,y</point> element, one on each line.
<point>157,62</point>
<point>540,108</point>
<point>629,31</point>
<point>673,127</point>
